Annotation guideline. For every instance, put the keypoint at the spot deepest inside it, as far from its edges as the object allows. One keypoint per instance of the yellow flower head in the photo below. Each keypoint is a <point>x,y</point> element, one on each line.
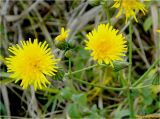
<point>30,62</point>
<point>158,30</point>
<point>63,35</point>
<point>129,7</point>
<point>105,44</point>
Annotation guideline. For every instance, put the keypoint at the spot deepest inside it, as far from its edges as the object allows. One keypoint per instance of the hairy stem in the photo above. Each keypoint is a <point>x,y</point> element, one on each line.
<point>130,100</point>
<point>105,7</point>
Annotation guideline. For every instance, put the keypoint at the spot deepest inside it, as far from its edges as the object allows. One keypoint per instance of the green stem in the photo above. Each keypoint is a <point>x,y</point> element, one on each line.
<point>108,15</point>
<point>130,55</point>
<point>70,81</point>
<point>69,68</point>
<point>87,68</point>
<point>105,7</point>
<point>101,78</point>
<point>140,87</point>
<point>129,73</point>
<point>100,86</point>
<point>110,88</point>
<point>146,73</point>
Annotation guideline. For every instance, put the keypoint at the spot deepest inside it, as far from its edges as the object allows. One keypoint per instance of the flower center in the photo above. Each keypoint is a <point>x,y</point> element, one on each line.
<point>34,64</point>
<point>102,46</point>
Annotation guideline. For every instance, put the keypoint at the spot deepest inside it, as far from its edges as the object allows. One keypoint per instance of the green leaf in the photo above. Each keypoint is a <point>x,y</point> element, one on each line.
<point>156,78</point>
<point>2,109</point>
<point>83,53</point>
<point>94,116</point>
<point>66,93</point>
<point>80,99</point>
<point>73,111</point>
<point>148,23</point>
<point>148,109</point>
<point>94,108</point>
<point>147,97</point>
<point>94,2</point>
<point>158,104</point>
<point>121,114</point>
<point>148,100</point>
<point>93,113</point>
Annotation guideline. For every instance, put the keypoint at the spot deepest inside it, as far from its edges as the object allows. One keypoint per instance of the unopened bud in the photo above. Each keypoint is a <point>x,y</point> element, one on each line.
<point>69,53</point>
<point>62,45</point>
<point>94,2</point>
<point>59,74</point>
<point>119,65</point>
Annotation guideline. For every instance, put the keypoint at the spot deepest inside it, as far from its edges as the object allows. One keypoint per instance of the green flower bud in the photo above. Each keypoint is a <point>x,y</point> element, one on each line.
<point>59,74</point>
<point>62,45</point>
<point>94,2</point>
<point>119,65</point>
<point>69,53</point>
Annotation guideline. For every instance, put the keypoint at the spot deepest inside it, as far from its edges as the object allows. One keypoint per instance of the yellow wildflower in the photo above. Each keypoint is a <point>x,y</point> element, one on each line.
<point>63,35</point>
<point>158,30</point>
<point>105,44</point>
<point>129,7</point>
<point>30,62</point>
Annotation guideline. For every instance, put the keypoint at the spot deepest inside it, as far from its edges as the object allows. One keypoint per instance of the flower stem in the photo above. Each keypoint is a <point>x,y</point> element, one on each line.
<point>100,86</point>
<point>70,82</point>
<point>130,100</point>
<point>105,7</point>
<point>130,54</point>
<point>86,68</point>
<point>69,68</point>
